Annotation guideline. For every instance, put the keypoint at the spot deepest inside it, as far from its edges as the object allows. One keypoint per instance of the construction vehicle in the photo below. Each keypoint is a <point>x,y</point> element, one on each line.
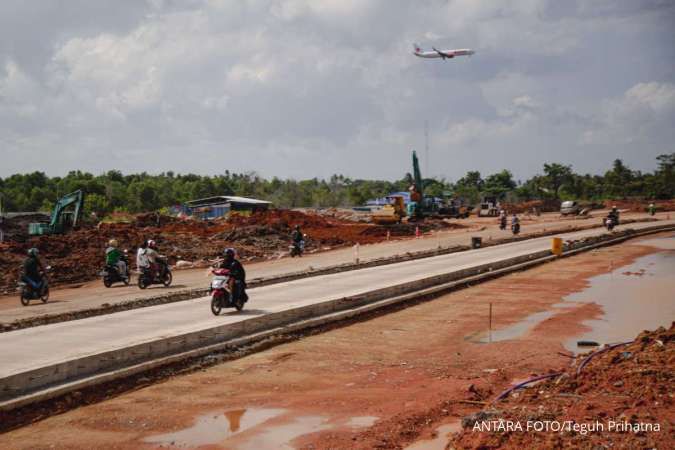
<point>392,212</point>
<point>454,208</point>
<point>488,207</point>
<point>417,208</point>
<point>66,214</point>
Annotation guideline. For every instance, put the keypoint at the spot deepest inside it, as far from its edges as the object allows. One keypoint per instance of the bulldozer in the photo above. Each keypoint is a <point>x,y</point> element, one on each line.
<point>392,212</point>
<point>61,218</point>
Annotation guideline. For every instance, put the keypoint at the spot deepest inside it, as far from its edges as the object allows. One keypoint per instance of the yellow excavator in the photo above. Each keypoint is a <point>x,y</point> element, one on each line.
<point>392,212</point>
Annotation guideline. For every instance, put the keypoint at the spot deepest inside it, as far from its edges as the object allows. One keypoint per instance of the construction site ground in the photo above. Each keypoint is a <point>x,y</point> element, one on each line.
<point>400,379</point>
<point>85,295</point>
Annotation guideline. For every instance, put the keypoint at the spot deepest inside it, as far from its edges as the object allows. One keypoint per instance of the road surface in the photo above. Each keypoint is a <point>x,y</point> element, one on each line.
<point>43,346</point>
<point>94,294</point>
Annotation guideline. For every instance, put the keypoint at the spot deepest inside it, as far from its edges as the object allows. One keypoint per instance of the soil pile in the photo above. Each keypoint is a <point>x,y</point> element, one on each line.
<point>16,228</point>
<point>78,255</point>
<point>624,389</point>
<point>641,205</point>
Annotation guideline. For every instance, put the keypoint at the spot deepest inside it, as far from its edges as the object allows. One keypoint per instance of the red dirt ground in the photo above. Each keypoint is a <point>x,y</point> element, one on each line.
<point>414,370</point>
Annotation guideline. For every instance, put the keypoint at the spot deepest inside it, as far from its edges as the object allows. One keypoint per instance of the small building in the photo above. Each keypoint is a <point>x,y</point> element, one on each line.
<point>222,205</point>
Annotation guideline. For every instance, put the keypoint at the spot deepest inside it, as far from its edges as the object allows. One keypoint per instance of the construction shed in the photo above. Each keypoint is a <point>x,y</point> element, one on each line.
<point>222,205</point>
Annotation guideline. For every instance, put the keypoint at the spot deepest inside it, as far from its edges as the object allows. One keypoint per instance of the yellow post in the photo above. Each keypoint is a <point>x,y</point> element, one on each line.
<point>557,246</point>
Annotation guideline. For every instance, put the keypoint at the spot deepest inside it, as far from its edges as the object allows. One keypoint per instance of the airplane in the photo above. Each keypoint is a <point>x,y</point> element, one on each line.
<point>441,53</point>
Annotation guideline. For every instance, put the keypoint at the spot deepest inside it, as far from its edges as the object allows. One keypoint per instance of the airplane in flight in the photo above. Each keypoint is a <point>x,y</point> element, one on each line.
<point>441,53</point>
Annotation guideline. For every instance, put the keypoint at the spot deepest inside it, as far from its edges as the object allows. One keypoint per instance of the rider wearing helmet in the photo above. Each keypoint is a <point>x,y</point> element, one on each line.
<point>32,268</point>
<point>156,261</point>
<point>297,235</point>
<point>113,257</point>
<point>237,272</point>
<point>614,215</point>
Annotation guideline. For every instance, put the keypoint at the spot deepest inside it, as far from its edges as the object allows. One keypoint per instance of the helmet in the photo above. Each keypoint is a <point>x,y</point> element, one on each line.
<point>229,252</point>
<point>151,243</point>
<point>33,252</point>
<point>297,227</point>
<point>112,242</point>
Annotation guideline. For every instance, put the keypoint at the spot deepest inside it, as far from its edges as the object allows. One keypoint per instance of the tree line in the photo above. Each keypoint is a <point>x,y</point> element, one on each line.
<point>115,192</point>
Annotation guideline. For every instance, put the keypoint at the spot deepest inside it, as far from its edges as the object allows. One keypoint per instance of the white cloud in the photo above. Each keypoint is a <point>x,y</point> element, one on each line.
<point>307,88</point>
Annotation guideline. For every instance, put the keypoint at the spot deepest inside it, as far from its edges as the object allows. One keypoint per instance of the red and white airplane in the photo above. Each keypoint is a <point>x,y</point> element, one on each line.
<point>442,53</point>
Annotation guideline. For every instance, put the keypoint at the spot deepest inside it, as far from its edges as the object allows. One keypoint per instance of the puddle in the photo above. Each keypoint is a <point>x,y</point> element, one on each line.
<point>253,429</point>
<point>630,303</point>
<point>518,329</point>
<point>280,436</point>
<point>633,298</point>
<point>361,422</point>
<point>215,428</point>
<point>440,441</point>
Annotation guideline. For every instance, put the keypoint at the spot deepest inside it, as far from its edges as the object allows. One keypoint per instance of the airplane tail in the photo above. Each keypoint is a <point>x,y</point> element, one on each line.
<point>416,47</point>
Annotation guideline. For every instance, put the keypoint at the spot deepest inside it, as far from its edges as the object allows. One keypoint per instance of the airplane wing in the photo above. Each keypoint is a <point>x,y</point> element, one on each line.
<point>442,54</point>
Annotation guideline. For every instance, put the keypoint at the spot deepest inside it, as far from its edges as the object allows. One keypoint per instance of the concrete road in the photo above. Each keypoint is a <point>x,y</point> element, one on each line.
<point>94,294</point>
<point>42,346</point>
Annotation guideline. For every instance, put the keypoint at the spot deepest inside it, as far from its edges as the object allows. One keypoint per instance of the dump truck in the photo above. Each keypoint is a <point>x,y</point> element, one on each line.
<point>392,212</point>
<point>66,214</point>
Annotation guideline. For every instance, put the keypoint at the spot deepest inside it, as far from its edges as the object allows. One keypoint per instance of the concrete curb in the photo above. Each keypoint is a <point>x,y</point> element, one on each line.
<point>49,382</point>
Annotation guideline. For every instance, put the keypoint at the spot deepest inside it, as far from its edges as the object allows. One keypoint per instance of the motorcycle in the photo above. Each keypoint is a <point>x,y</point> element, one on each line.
<point>297,248</point>
<point>221,290</point>
<point>27,293</point>
<point>515,228</point>
<point>111,273</point>
<point>609,223</point>
<point>148,276</point>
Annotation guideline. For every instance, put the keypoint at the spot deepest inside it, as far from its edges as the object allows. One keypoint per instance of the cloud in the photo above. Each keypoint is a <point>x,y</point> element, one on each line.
<point>307,88</point>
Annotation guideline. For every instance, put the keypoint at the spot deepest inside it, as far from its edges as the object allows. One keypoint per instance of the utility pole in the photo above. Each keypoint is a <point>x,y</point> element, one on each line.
<point>426,149</point>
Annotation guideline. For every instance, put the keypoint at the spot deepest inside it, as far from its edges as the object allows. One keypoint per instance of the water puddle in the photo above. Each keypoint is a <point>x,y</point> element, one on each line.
<point>215,428</point>
<point>633,298</point>
<point>637,297</point>
<point>253,429</point>
<point>280,436</point>
<point>440,441</point>
<point>361,422</point>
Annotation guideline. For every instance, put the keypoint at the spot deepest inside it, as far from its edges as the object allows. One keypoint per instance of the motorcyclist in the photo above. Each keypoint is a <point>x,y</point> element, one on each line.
<point>614,215</point>
<point>113,257</point>
<point>237,273</point>
<point>515,220</point>
<point>32,270</point>
<point>652,209</point>
<point>502,220</point>
<point>156,261</point>
<point>297,235</point>
<point>142,262</point>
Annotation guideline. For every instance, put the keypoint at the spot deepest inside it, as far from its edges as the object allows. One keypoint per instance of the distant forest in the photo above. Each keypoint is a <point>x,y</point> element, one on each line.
<point>115,192</point>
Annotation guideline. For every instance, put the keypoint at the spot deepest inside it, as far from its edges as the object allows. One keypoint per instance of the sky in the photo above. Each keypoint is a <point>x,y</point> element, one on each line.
<point>309,88</point>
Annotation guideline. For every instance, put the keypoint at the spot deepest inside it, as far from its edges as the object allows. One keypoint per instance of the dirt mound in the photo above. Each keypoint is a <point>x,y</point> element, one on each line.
<point>78,255</point>
<point>641,205</point>
<point>540,205</point>
<point>627,390</point>
<point>16,228</point>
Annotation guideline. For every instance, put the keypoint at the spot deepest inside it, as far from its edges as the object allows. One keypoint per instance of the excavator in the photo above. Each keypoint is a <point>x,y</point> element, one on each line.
<point>66,214</point>
<point>395,210</point>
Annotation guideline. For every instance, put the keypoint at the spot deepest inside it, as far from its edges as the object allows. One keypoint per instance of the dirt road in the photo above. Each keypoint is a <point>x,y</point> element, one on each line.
<point>93,294</point>
<point>379,383</point>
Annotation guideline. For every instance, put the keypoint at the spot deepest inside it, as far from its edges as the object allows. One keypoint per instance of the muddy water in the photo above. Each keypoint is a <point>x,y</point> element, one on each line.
<point>633,298</point>
<point>254,429</point>
<point>637,297</point>
<point>440,441</point>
